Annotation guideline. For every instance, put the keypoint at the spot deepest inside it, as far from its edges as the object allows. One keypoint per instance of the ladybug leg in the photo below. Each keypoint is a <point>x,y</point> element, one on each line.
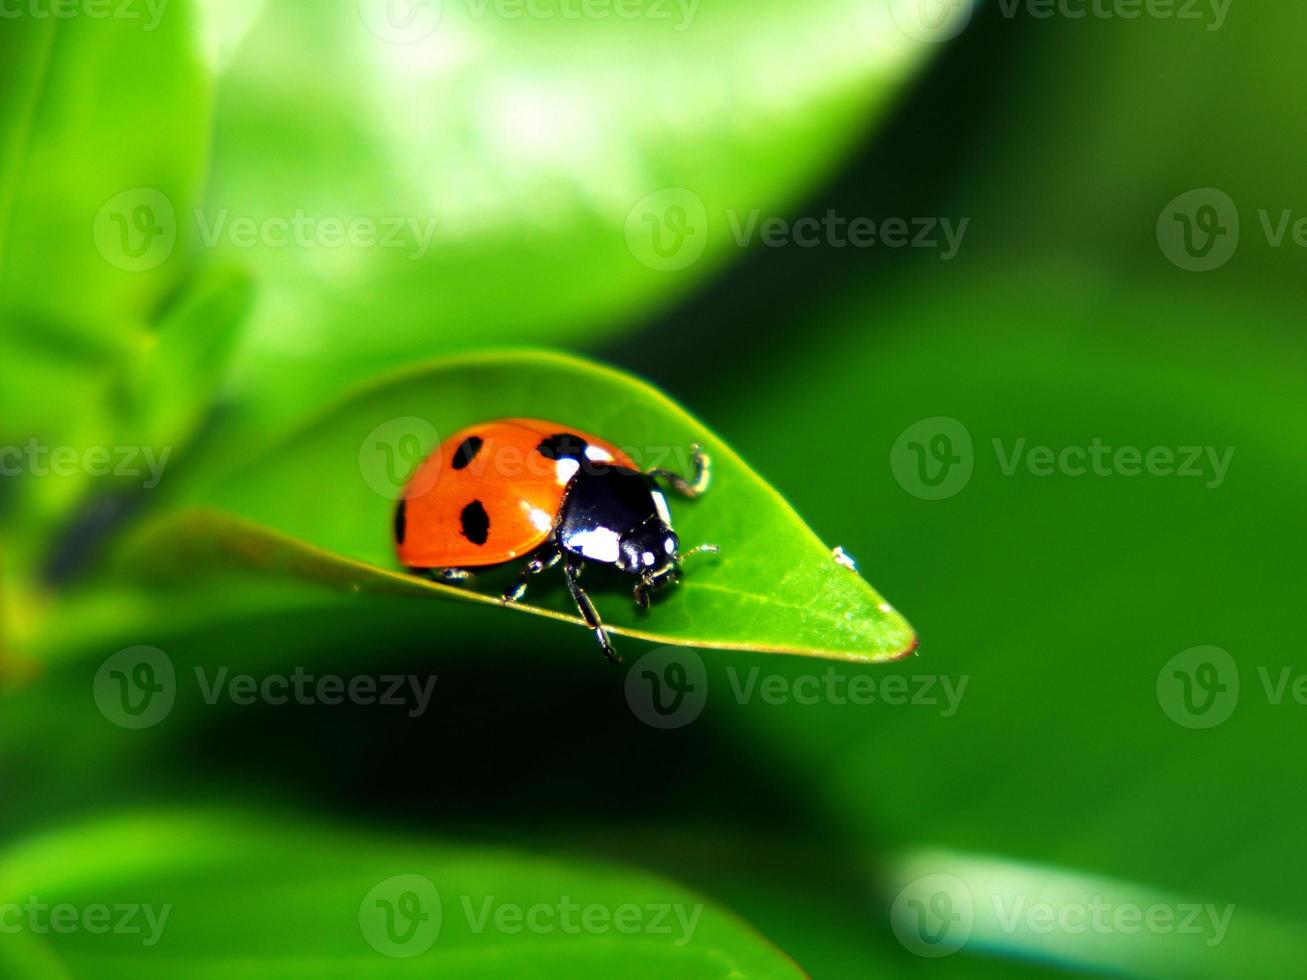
<point>534,566</point>
<point>587,608</point>
<point>698,483</point>
<point>643,587</point>
<point>641,594</point>
<point>449,576</point>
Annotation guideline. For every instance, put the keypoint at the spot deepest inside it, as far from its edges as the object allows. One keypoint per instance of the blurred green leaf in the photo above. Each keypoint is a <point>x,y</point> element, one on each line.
<point>946,902</point>
<point>326,498</point>
<point>502,157</point>
<point>1099,580</point>
<point>104,139</point>
<point>91,191</point>
<point>174,383</point>
<point>223,895</point>
<point>1149,143</point>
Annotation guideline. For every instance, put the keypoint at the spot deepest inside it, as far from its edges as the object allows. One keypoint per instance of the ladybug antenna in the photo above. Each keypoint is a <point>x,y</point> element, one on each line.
<point>702,549</point>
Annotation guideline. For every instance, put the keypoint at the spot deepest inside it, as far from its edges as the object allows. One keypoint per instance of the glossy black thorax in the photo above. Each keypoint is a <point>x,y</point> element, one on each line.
<point>617,516</point>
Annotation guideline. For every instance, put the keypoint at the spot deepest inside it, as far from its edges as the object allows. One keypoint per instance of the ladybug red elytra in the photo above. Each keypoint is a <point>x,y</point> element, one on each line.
<point>514,488</point>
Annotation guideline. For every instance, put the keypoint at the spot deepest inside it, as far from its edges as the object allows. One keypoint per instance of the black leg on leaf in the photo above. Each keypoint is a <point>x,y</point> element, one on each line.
<point>545,559</point>
<point>587,608</point>
<point>641,594</point>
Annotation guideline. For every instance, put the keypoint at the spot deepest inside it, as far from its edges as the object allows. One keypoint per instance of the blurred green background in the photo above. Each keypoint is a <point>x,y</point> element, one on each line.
<point>514,155</point>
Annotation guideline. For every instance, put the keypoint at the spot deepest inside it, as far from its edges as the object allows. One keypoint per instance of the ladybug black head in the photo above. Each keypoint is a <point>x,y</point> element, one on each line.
<point>648,550</point>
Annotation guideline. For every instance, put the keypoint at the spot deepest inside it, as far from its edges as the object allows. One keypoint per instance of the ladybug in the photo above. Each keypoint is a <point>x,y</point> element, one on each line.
<point>525,488</point>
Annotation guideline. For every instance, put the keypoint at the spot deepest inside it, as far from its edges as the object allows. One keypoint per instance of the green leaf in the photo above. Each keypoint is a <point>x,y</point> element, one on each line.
<point>322,505</point>
<point>174,384</point>
<point>1088,923</point>
<point>93,177</point>
<point>511,152</point>
<point>96,178</point>
<point>224,895</point>
<point>1088,571</point>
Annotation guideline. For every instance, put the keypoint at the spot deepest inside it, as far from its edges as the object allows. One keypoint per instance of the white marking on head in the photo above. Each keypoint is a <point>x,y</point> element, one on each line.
<point>670,545</point>
<point>647,558</point>
<point>597,454</point>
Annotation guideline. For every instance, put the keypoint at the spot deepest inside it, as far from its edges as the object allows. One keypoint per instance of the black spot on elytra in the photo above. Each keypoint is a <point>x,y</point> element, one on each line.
<point>401,521</point>
<point>466,451</point>
<point>562,445</point>
<point>476,522</point>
